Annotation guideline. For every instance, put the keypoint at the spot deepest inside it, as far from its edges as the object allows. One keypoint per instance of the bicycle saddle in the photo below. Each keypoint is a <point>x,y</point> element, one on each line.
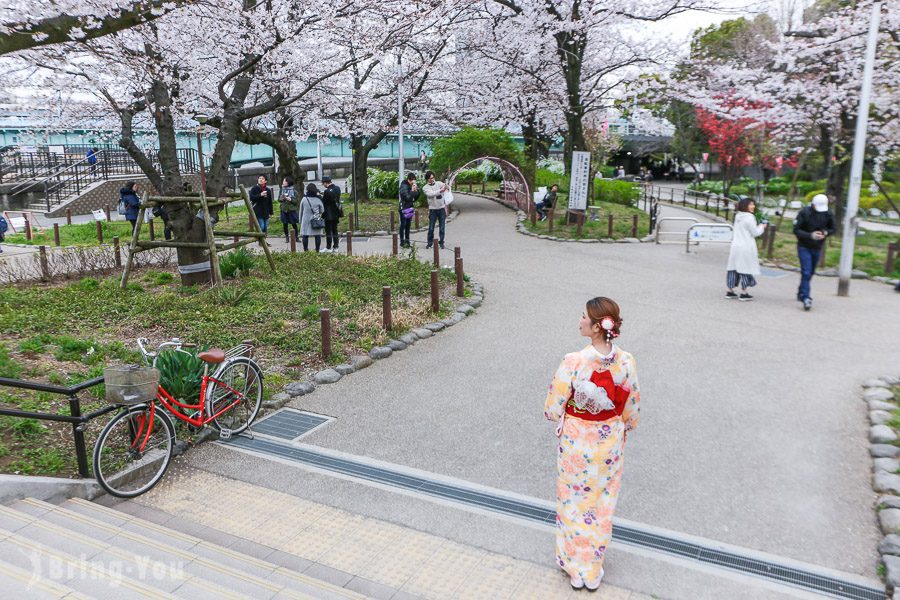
<point>213,355</point>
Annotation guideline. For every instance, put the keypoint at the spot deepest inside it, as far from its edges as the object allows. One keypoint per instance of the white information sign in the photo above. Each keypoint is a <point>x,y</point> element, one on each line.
<point>578,184</point>
<point>710,232</point>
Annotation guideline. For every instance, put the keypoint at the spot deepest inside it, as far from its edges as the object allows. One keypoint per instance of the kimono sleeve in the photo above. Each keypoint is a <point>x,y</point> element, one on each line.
<point>559,392</point>
<point>631,413</point>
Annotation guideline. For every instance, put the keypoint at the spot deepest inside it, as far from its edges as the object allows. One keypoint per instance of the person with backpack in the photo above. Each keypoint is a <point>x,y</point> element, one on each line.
<point>290,206</point>
<point>311,221</point>
<point>92,160</point>
<point>409,194</point>
<point>331,199</point>
<point>812,225</point>
<point>129,203</point>
<point>261,201</point>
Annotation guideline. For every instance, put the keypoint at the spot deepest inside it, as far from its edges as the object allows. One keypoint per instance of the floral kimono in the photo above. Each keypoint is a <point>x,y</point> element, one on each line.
<point>590,455</point>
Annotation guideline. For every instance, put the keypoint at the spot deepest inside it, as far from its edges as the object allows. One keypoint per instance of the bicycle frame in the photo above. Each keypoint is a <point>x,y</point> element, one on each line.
<point>163,396</point>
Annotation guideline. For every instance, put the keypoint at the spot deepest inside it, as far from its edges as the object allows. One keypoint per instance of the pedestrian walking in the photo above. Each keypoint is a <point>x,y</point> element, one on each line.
<point>311,221</point>
<point>261,201</point>
<point>409,195</point>
<point>92,160</point>
<point>290,206</point>
<point>331,200</point>
<point>423,161</point>
<point>743,259</point>
<point>594,398</point>
<point>128,196</point>
<point>813,224</point>
<point>437,207</point>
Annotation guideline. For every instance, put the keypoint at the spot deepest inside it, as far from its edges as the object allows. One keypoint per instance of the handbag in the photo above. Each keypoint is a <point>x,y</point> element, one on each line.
<point>121,208</point>
<point>408,213</point>
<point>448,198</point>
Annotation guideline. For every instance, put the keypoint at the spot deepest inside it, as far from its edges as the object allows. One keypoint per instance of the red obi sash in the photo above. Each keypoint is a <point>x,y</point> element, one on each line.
<point>617,393</point>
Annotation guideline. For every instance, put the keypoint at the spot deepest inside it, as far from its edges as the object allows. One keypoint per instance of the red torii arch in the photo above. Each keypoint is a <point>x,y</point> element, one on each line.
<point>514,186</point>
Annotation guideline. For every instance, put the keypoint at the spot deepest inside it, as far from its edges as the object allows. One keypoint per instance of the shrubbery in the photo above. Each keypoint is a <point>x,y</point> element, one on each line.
<point>470,143</point>
<point>618,192</point>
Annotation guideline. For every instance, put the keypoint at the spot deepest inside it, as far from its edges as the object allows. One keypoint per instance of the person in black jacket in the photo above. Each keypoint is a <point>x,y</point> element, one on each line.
<point>261,201</point>
<point>128,196</point>
<point>409,194</point>
<point>813,224</point>
<point>331,199</point>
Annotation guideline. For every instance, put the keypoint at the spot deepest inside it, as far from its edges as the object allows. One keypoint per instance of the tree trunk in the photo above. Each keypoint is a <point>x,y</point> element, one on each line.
<point>570,51</point>
<point>840,170</point>
<point>532,151</point>
<point>286,149</point>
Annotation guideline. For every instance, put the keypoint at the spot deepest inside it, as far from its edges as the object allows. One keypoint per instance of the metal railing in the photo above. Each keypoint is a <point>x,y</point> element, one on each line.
<point>74,417</point>
<point>688,198</point>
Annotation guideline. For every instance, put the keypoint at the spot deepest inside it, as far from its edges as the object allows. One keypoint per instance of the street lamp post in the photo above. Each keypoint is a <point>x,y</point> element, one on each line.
<point>201,120</point>
<point>401,165</point>
<point>848,238</point>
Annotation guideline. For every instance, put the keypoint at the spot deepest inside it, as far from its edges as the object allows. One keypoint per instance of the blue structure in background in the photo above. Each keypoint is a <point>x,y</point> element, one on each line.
<point>332,147</point>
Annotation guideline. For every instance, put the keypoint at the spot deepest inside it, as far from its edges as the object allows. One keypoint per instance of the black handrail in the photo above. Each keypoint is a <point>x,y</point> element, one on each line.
<point>75,417</point>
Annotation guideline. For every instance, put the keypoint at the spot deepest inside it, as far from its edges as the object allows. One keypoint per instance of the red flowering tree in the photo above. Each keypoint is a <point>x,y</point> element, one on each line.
<point>737,139</point>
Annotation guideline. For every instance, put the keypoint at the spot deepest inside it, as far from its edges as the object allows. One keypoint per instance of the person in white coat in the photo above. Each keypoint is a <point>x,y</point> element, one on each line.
<point>743,260</point>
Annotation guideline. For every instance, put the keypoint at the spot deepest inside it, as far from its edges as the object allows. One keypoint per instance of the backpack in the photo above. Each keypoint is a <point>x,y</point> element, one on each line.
<point>122,209</point>
<point>4,225</point>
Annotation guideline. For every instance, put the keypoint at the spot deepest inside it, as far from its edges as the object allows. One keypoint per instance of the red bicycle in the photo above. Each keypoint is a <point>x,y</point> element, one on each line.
<point>135,448</point>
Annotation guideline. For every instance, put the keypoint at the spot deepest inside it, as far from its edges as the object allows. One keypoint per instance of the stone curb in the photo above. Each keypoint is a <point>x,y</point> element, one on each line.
<point>878,395</point>
<point>296,389</point>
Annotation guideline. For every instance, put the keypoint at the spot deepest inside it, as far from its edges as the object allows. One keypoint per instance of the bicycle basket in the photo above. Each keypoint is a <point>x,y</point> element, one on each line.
<point>131,384</point>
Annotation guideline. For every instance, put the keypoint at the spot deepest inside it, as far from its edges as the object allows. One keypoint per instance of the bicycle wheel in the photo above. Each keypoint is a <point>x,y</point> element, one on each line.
<point>133,451</point>
<point>238,382</point>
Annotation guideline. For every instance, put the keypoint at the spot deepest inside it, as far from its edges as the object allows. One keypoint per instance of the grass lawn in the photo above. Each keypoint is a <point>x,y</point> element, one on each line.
<point>597,229</point>
<point>869,251</point>
<point>66,333</point>
<point>81,234</point>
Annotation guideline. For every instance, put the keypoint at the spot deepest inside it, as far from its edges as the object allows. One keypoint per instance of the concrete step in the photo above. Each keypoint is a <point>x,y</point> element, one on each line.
<point>92,577</point>
<point>25,583</point>
<point>231,569</point>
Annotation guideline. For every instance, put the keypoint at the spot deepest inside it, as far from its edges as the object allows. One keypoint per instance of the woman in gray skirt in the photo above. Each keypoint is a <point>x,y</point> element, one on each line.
<point>311,221</point>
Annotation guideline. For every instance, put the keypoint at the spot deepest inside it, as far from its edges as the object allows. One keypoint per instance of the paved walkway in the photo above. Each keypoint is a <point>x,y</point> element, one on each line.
<point>752,432</point>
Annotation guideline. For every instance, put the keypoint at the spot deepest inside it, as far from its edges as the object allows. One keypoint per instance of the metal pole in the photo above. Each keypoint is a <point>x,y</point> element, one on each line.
<point>848,238</point>
<point>319,168</point>
<point>353,173</point>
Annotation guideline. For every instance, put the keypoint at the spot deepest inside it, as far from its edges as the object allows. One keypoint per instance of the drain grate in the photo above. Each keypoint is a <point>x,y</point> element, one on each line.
<point>542,512</point>
<point>289,424</point>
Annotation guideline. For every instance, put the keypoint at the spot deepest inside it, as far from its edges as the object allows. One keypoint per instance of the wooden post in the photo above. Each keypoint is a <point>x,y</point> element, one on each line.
<point>889,261</point>
<point>394,243</point>
<point>533,212</point>
<point>634,225</point>
<point>435,292</point>
<point>386,320</point>
<point>236,239</point>
<point>457,253</point>
<point>213,253</point>
<point>823,253</point>
<point>393,221</point>
<point>482,186</point>
<point>117,250</point>
<point>325,316</point>
<point>28,232</point>
<point>349,242</point>
<point>580,223</point>
<point>152,230</point>
<point>437,255</point>
<point>68,216</point>
<point>416,216</point>
<point>550,222</point>
<point>460,278</point>
<point>293,241</point>
<point>717,206</point>
<point>609,225</point>
<point>350,223</point>
<point>45,266</point>
<point>100,231</point>
<point>56,241</point>
<point>770,246</point>
<point>108,214</point>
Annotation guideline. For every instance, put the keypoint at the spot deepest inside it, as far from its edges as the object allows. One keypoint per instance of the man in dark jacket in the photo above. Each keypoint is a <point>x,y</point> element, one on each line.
<point>261,201</point>
<point>813,224</point>
<point>331,199</point>
<point>128,196</point>
<point>409,194</point>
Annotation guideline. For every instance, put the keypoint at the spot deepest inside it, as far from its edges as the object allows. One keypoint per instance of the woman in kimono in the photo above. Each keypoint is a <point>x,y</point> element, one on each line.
<point>594,399</point>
